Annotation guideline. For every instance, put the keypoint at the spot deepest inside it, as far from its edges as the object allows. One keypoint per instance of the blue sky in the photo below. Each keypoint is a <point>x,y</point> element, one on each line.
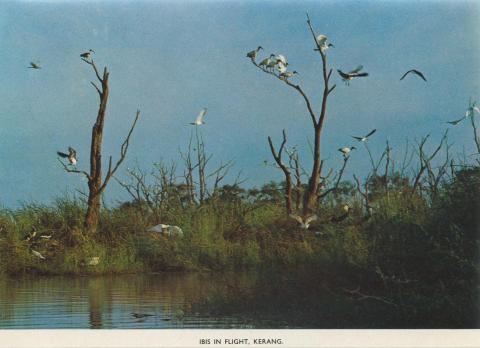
<point>170,59</point>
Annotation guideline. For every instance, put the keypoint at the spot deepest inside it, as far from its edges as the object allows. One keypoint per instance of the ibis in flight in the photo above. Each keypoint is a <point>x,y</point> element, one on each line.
<point>347,77</point>
<point>304,223</point>
<point>199,120</point>
<point>365,137</point>
<point>416,72</point>
<point>34,66</point>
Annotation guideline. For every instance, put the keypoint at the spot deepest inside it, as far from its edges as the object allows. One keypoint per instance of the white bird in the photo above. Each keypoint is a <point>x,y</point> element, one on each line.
<point>304,223</point>
<point>199,120</point>
<point>168,230</point>
<point>469,113</point>
<point>346,77</point>
<point>72,155</point>
<point>287,74</point>
<point>322,43</point>
<point>365,137</point>
<point>346,150</point>
<point>253,54</point>
<point>37,254</point>
<point>93,261</point>
<point>272,63</point>
<point>346,208</point>
<point>282,68</point>
<point>280,58</point>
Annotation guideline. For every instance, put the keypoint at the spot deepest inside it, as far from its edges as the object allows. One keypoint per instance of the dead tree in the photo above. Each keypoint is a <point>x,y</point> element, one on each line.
<point>425,160</point>
<point>96,183</point>
<point>285,169</point>
<point>310,197</point>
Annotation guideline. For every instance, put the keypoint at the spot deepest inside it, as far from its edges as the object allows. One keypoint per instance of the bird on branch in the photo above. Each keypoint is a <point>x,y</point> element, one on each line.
<point>86,55</point>
<point>322,43</point>
<point>72,155</point>
<point>346,150</point>
<point>253,54</point>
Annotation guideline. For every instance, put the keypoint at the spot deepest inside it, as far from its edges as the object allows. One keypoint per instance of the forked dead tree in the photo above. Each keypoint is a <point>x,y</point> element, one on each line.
<point>96,183</point>
<point>312,192</point>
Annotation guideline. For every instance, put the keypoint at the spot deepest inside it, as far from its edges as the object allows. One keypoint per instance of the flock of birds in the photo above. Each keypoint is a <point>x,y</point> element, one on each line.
<point>280,63</point>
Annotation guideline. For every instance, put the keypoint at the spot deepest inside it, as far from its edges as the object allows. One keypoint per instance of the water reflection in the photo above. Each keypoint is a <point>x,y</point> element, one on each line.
<point>129,301</point>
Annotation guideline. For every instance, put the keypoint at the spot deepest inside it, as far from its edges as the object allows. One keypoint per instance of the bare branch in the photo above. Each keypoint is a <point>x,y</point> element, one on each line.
<point>123,153</point>
<point>69,170</point>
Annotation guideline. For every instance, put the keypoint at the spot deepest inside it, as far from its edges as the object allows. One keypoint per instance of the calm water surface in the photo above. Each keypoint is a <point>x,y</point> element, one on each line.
<point>105,302</point>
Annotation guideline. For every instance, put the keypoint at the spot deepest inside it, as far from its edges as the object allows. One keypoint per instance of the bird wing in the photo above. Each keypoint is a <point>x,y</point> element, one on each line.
<point>310,219</point>
<point>296,217</point>
<point>321,39</point>
<point>475,108</point>
<point>61,154</point>
<point>356,70</point>
<point>359,74</point>
<point>342,74</point>
<point>358,138</point>
<point>201,115</point>
<point>373,131</point>
<point>72,151</point>
<point>416,72</point>
<point>456,121</point>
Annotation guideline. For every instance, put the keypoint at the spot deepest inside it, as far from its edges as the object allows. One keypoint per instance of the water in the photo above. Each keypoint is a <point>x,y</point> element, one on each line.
<point>107,302</point>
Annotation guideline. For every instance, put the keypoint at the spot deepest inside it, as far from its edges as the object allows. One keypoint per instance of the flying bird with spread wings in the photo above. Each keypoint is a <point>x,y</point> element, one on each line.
<point>347,77</point>
<point>199,120</point>
<point>304,223</point>
<point>416,72</point>
<point>34,66</point>
<point>365,137</point>
<point>469,113</point>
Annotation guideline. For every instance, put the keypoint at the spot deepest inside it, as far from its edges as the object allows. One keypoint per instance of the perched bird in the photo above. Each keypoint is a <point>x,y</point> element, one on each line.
<point>304,223</point>
<point>72,156</point>
<point>253,54</point>
<point>199,120</point>
<point>37,254</point>
<point>34,66</point>
<point>416,72</point>
<point>470,112</point>
<point>346,77</point>
<point>287,74</point>
<point>280,58</point>
<point>46,237</point>
<point>93,261</point>
<point>86,55</point>
<point>346,210</point>
<point>264,63</point>
<point>346,150</point>
<point>322,43</point>
<point>272,63</point>
<point>142,315</point>
<point>365,137</point>
<point>282,68</point>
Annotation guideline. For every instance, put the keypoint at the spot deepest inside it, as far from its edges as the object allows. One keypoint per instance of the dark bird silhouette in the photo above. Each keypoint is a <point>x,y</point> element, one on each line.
<point>416,72</point>
<point>34,66</point>
<point>86,55</point>
<point>72,155</point>
<point>253,54</point>
<point>346,77</point>
<point>365,137</point>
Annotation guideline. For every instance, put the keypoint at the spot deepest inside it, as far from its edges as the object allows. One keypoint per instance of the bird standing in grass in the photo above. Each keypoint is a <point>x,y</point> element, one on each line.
<point>346,150</point>
<point>199,120</point>
<point>37,254</point>
<point>416,72</point>
<point>347,77</point>
<point>253,54</point>
<point>365,137</point>
<point>72,156</point>
<point>34,66</point>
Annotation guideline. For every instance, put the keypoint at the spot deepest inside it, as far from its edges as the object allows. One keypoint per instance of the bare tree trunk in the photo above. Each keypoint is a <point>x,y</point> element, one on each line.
<point>286,171</point>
